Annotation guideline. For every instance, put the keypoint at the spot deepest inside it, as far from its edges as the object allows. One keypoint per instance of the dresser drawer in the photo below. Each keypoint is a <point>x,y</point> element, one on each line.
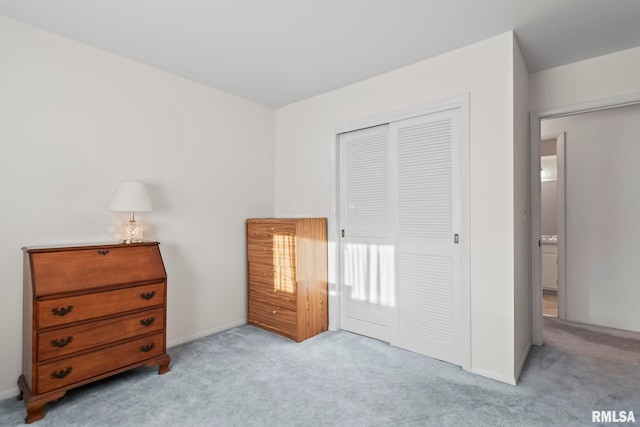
<point>270,254</point>
<point>276,277</point>
<point>80,269</point>
<point>60,311</point>
<point>272,298</point>
<point>272,242</point>
<point>63,341</point>
<point>77,368</point>
<point>266,229</point>
<point>275,318</point>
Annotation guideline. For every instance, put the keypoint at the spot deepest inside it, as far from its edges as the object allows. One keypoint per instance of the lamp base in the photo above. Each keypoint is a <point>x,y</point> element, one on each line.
<point>131,232</point>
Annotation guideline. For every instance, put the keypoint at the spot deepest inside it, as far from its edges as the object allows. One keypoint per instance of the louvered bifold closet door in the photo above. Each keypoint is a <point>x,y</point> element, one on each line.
<point>426,176</point>
<point>367,256</point>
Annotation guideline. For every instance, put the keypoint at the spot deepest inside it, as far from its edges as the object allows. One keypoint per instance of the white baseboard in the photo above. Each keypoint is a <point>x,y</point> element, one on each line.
<point>523,360</point>
<point>493,376</point>
<point>12,392</point>
<point>183,340</point>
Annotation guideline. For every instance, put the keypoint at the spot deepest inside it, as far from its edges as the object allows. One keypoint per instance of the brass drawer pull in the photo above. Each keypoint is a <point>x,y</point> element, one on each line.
<point>104,252</point>
<point>62,311</point>
<point>148,322</point>
<point>147,348</point>
<point>58,375</point>
<point>148,295</point>
<point>62,342</point>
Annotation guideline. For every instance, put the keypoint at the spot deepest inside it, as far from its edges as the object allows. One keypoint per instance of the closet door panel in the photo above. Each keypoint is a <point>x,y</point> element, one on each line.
<point>400,210</point>
<point>424,178</point>
<point>426,318</point>
<point>366,254</point>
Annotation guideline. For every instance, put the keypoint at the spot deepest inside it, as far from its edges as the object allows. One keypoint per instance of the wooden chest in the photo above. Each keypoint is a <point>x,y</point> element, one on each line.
<point>89,312</point>
<point>287,277</point>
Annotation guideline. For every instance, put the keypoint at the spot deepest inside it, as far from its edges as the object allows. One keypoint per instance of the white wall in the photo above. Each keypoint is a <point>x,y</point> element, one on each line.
<point>306,172</point>
<point>549,204</point>
<point>549,190</point>
<point>521,198</point>
<point>548,147</point>
<point>598,78</point>
<point>602,215</point>
<point>74,120</point>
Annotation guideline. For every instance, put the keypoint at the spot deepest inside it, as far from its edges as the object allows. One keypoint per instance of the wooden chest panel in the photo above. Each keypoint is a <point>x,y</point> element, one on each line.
<point>67,270</point>
<point>283,255</point>
<point>277,277</point>
<point>287,275</point>
<point>272,242</point>
<point>273,284</point>
<point>75,369</point>
<point>273,299</point>
<point>274,318</point>
<point>63,341</point>
<point>61,311</point>
<point>264,229</point>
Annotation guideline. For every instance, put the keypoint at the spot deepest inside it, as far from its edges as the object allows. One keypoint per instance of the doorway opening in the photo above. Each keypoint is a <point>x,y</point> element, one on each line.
<point>552,221</point>
<point>598,265</point>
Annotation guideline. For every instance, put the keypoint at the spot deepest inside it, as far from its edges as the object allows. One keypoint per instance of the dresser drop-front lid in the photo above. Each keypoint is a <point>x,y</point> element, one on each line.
<point>57,270</point>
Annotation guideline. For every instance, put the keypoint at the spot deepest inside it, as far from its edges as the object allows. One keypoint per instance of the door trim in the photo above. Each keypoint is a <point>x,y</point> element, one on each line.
<point>535,229</point>
<point>458,101</point>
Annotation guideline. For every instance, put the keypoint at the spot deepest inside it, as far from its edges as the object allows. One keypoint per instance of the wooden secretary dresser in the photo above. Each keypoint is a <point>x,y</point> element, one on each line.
<point>287,260</point>
<point>89,312</point>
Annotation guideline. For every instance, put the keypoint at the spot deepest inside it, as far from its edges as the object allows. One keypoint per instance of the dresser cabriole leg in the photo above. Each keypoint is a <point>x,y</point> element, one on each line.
<point>21,386</point>
<point>35,404</point>
<point>35,412</point>
<point>163,366</point>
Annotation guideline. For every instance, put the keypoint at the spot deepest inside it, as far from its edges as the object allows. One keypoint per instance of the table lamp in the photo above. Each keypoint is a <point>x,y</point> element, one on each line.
<point>131,196</point>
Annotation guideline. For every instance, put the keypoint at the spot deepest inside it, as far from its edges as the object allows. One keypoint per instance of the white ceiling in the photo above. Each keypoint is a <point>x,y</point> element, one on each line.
<point>280,51</point>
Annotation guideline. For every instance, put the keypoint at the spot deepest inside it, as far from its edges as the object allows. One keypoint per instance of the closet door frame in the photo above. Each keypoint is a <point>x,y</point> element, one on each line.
<point>455,102</point>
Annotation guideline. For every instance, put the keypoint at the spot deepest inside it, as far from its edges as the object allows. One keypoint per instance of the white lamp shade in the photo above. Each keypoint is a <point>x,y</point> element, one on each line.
<point>131,196</point>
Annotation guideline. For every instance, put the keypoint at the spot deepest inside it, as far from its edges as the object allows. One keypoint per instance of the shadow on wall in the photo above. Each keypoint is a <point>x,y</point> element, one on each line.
<point>181,294</point>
